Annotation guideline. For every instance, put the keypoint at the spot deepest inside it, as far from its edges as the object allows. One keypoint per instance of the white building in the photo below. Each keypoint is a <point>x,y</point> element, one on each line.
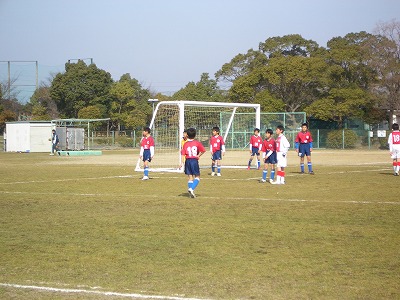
<point>28,136</point>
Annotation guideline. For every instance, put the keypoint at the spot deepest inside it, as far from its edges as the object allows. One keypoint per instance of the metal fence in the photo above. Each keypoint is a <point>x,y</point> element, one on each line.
<point>323,138</point>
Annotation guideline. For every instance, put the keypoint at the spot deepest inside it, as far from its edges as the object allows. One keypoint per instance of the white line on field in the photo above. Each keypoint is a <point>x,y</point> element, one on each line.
<point>68,179</point>
<point>82,291</point>
<point>102,195</point>
<point>203,177</point>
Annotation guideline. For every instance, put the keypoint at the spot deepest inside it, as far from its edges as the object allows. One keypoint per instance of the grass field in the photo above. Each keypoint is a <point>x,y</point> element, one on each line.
<point>89,228</point>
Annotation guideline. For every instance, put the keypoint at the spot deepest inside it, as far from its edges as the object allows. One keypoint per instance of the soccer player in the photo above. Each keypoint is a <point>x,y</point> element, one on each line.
<point>146,151</point>
<point>217,149</point>
<point>304,146</point>
<point>269,155</point>
<point>394,148</point>
<point>282,148</point>
<point>255,147</point>
<point>184,138</point>
<point>191,152</point>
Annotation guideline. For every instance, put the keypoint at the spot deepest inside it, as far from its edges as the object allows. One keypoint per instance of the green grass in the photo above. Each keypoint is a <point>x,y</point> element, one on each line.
<point>69,222</point>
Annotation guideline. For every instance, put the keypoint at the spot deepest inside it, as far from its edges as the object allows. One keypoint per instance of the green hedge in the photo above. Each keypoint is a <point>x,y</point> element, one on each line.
<point>335,139</point>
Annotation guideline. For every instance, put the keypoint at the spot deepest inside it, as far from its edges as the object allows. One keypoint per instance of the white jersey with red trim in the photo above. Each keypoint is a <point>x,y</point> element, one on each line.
<point>282,144</point>
<point>394,143</point>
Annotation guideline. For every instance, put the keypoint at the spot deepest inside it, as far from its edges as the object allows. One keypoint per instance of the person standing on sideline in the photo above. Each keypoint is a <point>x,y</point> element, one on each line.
<point>191,152</point>
<point>217,149</point>
<point>146,151</point>
<point>282,148</point>
<point>394,148</point>
<point>304,146</point>
<point>255,147</point>
<point>54,142</point>
<point>269,155</point>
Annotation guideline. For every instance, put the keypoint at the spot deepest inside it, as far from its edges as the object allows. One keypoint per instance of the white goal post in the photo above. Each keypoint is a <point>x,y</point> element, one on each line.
<point>171,118</point>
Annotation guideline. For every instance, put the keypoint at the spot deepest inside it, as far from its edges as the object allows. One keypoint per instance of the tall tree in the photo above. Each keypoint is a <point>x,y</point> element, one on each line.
<point>129,105</point>
<point>386,62</point>
<point>204,90</point>
<point>288,73</point>
<point>81,85</point>
<point>41,105</point>
<point>288,45</point>
<point>341,103</point>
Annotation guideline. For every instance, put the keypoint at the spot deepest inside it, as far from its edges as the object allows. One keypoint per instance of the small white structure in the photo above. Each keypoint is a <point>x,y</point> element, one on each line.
<point>28,136</point>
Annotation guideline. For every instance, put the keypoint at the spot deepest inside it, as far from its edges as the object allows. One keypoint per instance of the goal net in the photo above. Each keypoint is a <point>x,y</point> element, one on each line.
<point>171,118</point>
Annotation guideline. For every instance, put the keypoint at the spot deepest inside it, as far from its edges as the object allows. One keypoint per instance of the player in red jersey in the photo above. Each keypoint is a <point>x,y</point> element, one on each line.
<point>191,152</point>
<point>217,149</point>
<point>255,147</point>
<point>304,146</point>
<point>269,155</point>
<point>394,148</point>
<point>146,151</point>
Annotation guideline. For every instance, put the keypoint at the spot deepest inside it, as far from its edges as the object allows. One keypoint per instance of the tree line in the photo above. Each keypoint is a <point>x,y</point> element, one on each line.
<point>355,76</point>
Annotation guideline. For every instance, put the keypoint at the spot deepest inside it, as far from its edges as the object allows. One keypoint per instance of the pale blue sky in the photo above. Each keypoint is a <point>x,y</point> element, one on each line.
<point>166,44</point>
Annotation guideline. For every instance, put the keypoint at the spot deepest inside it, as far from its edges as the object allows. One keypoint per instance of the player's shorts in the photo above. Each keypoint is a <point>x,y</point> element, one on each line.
<point>304,149</point>
<point>147,155</point>
<point>396,153</point>
<point>217,155</point>
<point>255,151</point>
<point>282,159</point>
<point>192,166</point>
<point>271,159</point>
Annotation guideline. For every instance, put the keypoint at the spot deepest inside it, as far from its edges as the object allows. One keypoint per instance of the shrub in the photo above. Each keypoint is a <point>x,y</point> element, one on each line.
<point>335,139</point>
<point>383,143</point>
<point>103,141</point>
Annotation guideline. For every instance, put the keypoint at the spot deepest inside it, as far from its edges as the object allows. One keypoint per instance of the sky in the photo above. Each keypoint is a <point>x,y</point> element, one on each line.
<point>164,44</point>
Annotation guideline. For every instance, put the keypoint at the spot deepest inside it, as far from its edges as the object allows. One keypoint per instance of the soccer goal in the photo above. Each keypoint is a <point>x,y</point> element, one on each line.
<point>171,118</point>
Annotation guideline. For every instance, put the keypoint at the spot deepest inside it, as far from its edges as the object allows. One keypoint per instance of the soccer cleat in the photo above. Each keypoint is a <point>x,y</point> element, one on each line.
<point>145,178</point>
<point>262,180</point>
<point>212,173</point>
<point>275,182</point>
<point>218,174</point>
<point>191,193</point>
<point>396,174</point>
<point>311,173</point>
<point>248,168</point>
<point>271,181</point>
<point>51,154</point>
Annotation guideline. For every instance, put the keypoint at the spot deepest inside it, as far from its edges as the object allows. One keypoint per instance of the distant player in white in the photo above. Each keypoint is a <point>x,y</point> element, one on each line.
<point>282,148</point>
<point>394,148</point>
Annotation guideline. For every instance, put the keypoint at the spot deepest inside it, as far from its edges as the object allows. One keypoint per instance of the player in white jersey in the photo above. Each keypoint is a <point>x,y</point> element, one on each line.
<point>282,148</point>
<point>394,148</point>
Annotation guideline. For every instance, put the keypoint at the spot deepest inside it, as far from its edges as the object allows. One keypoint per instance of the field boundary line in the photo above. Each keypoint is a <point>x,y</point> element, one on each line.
<point>200,197</point>
<point>83,291</point>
